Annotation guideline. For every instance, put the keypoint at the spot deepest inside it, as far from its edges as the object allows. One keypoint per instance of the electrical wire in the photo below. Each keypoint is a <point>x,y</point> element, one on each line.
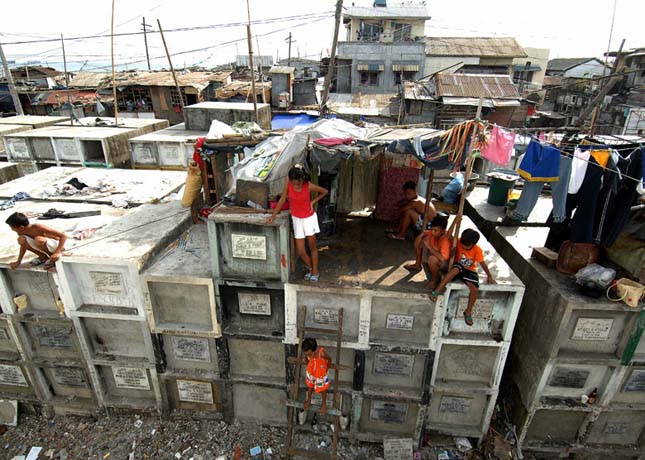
<point>180,29</point>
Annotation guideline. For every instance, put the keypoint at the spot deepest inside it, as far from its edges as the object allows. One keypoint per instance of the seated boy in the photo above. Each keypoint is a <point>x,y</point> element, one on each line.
<point>43,241</point>
<point>316,377</point>
<point>465,267</point>
<point>412,208</point>
<point>436,243</point>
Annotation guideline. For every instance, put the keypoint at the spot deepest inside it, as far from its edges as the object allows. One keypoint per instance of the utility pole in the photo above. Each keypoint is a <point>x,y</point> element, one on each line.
<point>289,56</point>
<point>332,59</point>
<point>12,87</point>
<point>614,77</point>
<point>116,104</point>
<point>145,26</point>
<point>250,44</point>
<point>69,96</point>
<point>172,69</point>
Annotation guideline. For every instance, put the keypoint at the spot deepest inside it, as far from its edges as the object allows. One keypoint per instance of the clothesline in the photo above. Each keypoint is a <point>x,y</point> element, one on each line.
<point>576,144</point>
<point>605,168</point>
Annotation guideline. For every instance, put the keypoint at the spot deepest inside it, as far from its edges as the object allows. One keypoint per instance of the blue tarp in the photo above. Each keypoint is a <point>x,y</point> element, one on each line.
<point>291,120</point>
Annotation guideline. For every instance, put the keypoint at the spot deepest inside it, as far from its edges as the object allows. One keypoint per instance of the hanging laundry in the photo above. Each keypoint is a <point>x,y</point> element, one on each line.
<point>559,190</point>
<point>614,208</point>
<point>578,169</point>
<point>500,146</point>
<point>541,163</point>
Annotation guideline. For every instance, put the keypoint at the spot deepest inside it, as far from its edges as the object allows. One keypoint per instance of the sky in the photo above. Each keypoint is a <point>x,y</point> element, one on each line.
<point>569,28</point>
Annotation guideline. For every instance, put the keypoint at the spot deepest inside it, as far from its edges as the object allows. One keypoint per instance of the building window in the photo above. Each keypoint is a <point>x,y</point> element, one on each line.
<point>369,78</point>
<point>401,32</point>
<point>174,97</point>
<point>369,32</point>
<point>523,76</point>
<point>135,99</point>
<point>400,77</point>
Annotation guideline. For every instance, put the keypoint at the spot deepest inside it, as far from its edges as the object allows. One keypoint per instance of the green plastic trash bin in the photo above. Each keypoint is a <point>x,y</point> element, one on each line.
<point>501,181</point>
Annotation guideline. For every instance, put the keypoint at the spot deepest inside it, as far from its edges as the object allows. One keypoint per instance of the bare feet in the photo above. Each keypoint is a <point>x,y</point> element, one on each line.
<point>412,267</point>
<point>307,404</point>
<point>323,409</point>
<point>395,237</point>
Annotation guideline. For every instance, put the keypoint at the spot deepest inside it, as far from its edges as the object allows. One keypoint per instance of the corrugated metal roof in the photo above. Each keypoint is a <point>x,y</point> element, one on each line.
<point>474,46</point>
<point>560,65</point>
<point>486,86</point>
<point>416,91</point>
<point>197,80</point>
<point>361,104</point>
<point>242,60</point>
<point>389,12</point>
<point>61,97</point>
<point>282,69</point>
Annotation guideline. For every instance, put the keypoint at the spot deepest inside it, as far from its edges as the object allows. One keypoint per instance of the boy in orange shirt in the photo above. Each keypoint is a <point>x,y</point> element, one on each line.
<point>469,254</point>
<point>316,377</point>
<point>436,242</point>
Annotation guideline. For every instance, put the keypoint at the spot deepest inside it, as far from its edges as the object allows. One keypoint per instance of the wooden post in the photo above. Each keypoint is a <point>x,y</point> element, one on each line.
<point>12,87</point>
<point>264,97</point>
<point>69,96</point>
<point>116,104</point>
<point>145,40</point>
<point>614,76</point>
<point>332,60</point>
<point>250,44</point>
<point>172,69</point>
<point>428,200</point>
<point>469,170</point>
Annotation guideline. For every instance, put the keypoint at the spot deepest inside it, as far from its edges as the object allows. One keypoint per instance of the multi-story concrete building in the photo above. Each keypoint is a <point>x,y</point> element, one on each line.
<point>383,47</point>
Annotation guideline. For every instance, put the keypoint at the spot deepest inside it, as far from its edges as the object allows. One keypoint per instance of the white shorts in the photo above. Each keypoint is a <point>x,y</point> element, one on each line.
<point>305,227</point>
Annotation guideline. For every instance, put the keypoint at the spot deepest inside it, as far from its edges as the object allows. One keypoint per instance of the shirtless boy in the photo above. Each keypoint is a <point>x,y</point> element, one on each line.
<point>411,208</point>
<point>43,241</point>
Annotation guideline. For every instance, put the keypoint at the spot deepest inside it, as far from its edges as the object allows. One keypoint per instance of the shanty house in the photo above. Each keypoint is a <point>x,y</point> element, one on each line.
<point>154,94</point>
<point>571,84</point>
<point>383,47</point>
<point>472,55</point>
<point>447,99</point>
<point>38,76</point>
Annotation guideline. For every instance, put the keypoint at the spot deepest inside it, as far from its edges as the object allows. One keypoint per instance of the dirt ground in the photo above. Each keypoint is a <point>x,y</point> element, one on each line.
<point>136,438</point>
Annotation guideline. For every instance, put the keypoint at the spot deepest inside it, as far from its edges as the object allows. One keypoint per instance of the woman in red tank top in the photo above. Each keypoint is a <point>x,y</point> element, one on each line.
<point>298,191</point>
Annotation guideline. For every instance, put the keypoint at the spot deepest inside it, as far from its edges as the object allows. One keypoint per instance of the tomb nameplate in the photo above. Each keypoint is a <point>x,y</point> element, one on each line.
<point>397,449</point>
<point>569,378</point>
<point>3,334</point>
<point>69,376</point>
<point>483,309</point>
<point>325,316</point>
<point>12,375</point>
<point>53,337</point>
<point>254,304</point>
<point>455,405</point>
<point>191,349</point>
<point>401,322</point>
<point>393,364</point>
<point>592,329</point>
<point>193,391</point>
<point>389,412</point>
<point>249,247</point>
<point>616,428</point>
<point>131,377</point>
<point>107,283</point>
<point>636,381</point>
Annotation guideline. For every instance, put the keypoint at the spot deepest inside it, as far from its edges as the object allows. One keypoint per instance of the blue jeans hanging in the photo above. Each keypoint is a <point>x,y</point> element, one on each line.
<point>531,192</point>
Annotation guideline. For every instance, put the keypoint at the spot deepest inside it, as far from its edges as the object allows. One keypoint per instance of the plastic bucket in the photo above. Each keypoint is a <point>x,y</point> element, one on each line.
<point>499,186</point>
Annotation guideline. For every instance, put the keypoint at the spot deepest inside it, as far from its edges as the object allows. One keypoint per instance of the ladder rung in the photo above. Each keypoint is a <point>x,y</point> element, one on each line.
<point>318,330</point>
<point>299,405</point>
<point>316,455</point>
<point>294,360</point>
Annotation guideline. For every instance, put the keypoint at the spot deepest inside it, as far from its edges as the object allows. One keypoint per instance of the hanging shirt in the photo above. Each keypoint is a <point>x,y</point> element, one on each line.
<point>541,163</point>
<point>300,202</point>
<point>578,169</point>
<point>500,146</point>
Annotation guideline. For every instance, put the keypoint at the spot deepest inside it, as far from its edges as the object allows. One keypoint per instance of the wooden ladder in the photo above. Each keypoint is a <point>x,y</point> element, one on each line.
<point>293,403</point>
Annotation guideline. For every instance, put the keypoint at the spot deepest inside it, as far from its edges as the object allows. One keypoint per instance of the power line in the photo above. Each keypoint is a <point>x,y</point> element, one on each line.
<point>230,42</point>
<point>181,29</point>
